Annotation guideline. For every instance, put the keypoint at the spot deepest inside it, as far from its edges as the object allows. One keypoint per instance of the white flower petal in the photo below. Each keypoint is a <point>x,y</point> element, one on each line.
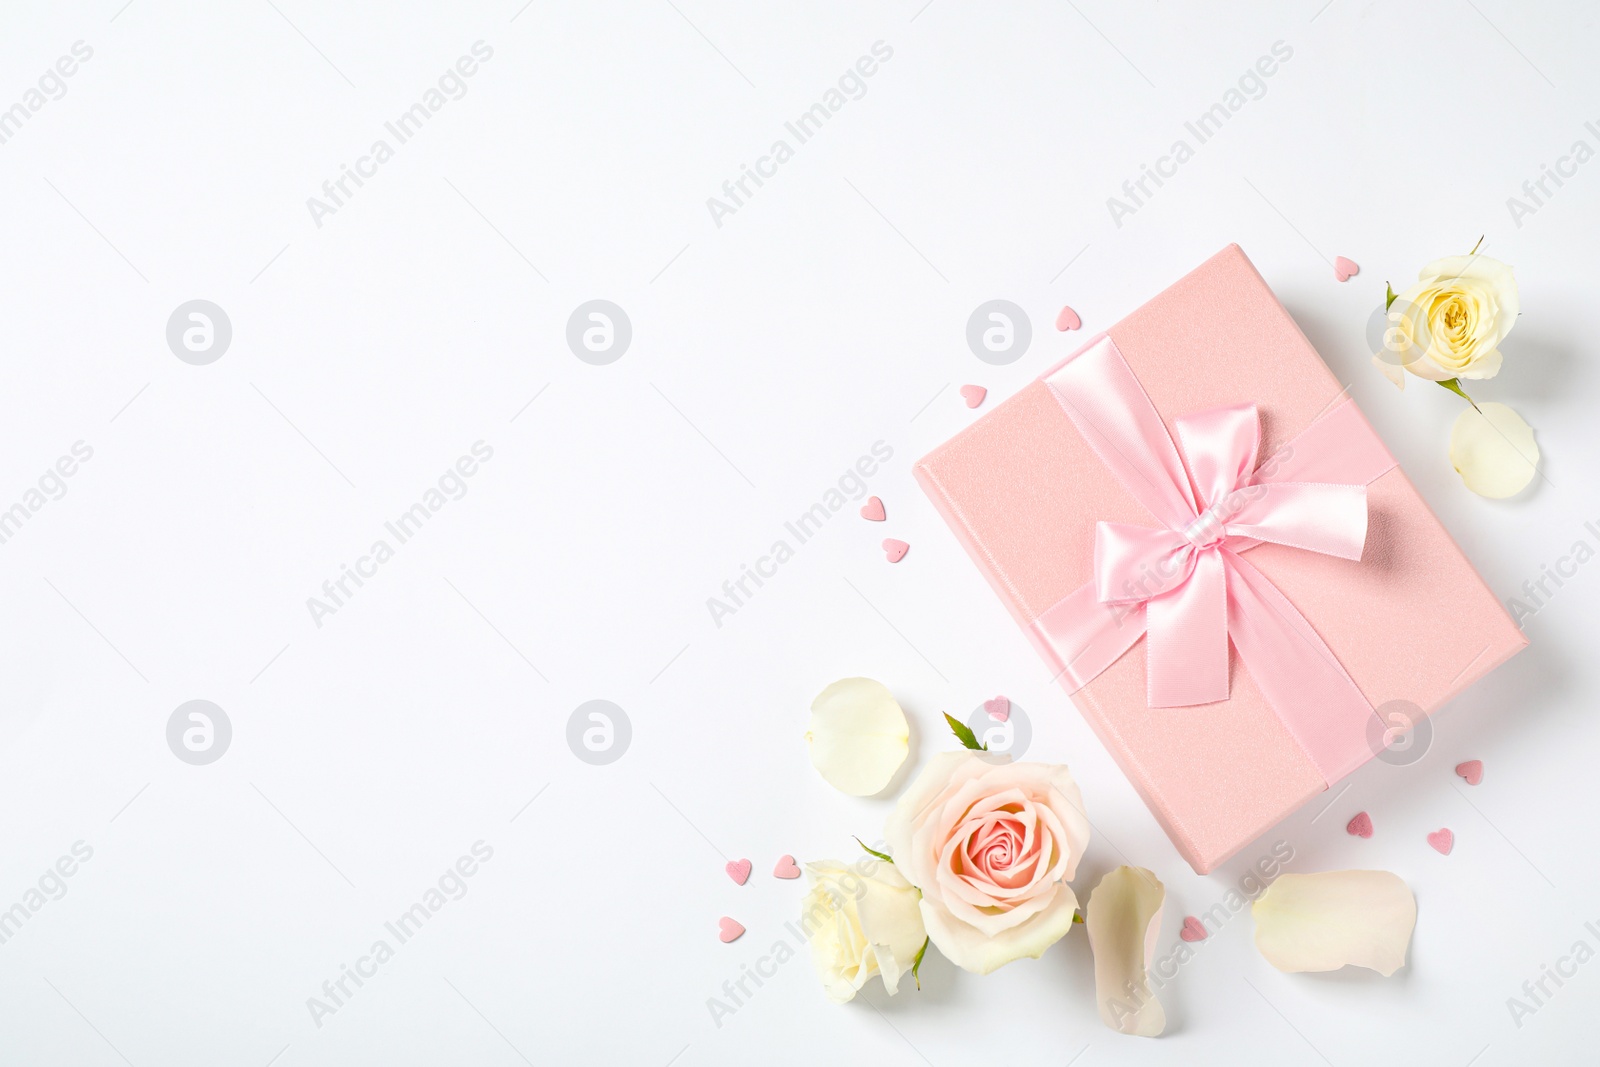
<point>1493,451</point>
<point>1321,922</point>
<point>1487,366</point>
<point>891,922</point>
<point>1123,920</point>
<point>858,736</point>
<point>914,804</point>
<point>972,950</point>
<point>1392,371</point>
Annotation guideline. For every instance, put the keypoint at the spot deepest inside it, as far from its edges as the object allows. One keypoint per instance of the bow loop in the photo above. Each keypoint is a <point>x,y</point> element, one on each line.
<point>1318,517</point>
<point>1135,563</point>
<point>1220,445</point>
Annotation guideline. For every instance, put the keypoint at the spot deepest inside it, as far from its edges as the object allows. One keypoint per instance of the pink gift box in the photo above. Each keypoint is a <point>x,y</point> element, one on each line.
<point>1410,621</point>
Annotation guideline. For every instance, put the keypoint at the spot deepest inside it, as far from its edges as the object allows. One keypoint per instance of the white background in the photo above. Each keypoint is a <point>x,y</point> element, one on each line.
<point>768,354</point>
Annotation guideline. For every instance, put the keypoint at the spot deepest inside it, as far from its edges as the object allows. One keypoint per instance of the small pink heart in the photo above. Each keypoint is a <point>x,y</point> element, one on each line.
<point>1344,269</point>
<point>895,550</point>
<point>999,708</point>
<point>729,930</point>
<point>738,870</point>
<point>974,394</point>
<point>1360,826</point>
<point>1193,929</point>
<point>1068,320</point>
<point>1442,841</point>
<point>786,868</point>
<point>1472,771</point>
<point>872,510</point>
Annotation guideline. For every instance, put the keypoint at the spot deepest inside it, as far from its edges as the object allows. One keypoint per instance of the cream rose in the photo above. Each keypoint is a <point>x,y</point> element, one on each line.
<point>1450,324</point>
<point>991,844</point>
<point>861,920</point>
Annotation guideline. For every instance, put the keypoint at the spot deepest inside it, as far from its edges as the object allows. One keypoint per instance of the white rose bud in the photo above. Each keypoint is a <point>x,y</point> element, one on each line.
<point>862,920</point>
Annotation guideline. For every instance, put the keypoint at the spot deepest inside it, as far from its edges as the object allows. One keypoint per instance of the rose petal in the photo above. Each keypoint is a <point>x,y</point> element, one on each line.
<point>1123,920</point>
<point>1391,371</point>
<point>891,922</point>
<point>973,950</point>
<point>1321,922</point>
<point>1487,365</point>
<point>1493,275</point>
<point>1493,451</point>
<point>858,736</point>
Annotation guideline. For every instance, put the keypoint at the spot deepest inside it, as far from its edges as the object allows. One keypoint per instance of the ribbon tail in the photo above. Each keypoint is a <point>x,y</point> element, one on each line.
<point>1319,704</point>
<point>1188,653</point>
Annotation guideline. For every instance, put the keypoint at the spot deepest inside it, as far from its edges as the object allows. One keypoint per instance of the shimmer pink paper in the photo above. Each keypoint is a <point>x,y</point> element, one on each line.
<point>1410,621</point>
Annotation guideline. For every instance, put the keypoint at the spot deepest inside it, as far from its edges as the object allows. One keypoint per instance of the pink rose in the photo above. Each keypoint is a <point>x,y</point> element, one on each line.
<point>991,846</point>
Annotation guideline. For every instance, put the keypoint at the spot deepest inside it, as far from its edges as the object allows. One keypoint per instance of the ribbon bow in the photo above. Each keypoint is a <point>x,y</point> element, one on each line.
<point>1186,573</point>
<point>1186,583</point>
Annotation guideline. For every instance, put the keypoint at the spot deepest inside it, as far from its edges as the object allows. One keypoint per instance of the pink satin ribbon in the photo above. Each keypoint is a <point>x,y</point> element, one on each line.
<point>1185,583</point>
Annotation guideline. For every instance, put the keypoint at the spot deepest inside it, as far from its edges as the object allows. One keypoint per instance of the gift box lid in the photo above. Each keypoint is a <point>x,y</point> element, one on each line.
<point>1411,622</point>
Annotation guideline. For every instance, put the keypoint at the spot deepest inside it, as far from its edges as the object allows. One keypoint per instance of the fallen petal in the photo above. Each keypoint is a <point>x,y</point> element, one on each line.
<point>1493,450</point>
<point>1123,919</point>
<point>1324,921</point>
<point>858,736</point>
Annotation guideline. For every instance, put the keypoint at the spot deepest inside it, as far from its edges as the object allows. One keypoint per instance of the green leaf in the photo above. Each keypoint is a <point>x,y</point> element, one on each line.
<point>1390,296</point>
<point>872,851</point>
<point>1454,385</point>
<point>964,733</point>
<point>916,964</point>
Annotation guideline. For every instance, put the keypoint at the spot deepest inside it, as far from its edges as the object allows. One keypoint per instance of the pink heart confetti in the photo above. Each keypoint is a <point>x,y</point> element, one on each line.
<point>895,550</point>
<point>1068,320</point>
<point>1193,929</point>
<point>872,510</point>
<point>1442,841</point>
<point>1360,826</point>
<point>1344,269</point>
<point>729,930</point>
<point>999,708</point>
<point>786,868</point>
<point>973,394</point>
<point>1472,771</point>
<point>738,870</point>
